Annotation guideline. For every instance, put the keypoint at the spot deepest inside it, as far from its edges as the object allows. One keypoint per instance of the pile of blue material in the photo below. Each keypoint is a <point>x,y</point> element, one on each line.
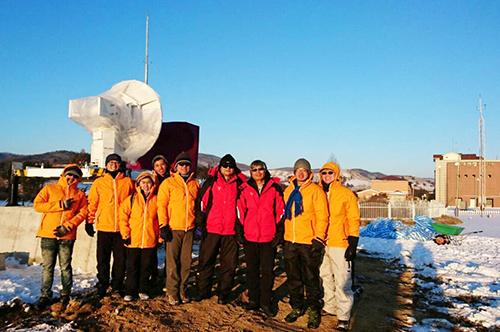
<point>385,228</point>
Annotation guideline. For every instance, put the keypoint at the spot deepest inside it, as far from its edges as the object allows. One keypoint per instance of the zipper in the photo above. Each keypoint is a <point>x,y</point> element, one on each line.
<point>187,203</point>
<point>144,221</point>
<point>114,201</point>
<point>65,197</point>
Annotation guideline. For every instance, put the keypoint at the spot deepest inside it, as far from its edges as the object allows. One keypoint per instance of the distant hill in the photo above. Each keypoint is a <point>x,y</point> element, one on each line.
<point>55,157</point>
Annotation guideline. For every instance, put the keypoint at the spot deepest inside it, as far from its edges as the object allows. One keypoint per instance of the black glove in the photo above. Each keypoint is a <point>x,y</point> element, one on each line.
<point>350,252</point>
<point>89,228</point>
<point>240,232</point>
<point>318,244</point>
<point>203,232</point>
<point>60,231</point>
<point>66,203</point>
<point>127,241</point>
<point>166,233</point>
<point>278,236</point>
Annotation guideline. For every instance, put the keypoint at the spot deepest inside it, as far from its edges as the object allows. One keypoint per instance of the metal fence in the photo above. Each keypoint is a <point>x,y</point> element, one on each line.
<point>401,210</point>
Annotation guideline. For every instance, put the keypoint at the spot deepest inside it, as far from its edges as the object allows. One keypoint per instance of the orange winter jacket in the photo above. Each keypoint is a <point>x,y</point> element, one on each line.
<point>48,202</point>
<point>105,197</point>
<point>313,222</point>
<point>139,219</point>
<point>176,202</point>
<point>344,211</point>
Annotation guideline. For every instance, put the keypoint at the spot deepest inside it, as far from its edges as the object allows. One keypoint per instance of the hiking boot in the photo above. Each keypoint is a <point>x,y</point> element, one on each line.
<point>200,297</point>
<point>251,305</point>
<point>128,298</point>
<point>42,303</point>
<point>143,296</point>
<point>223,299</point>
<point>185,298</point>
<point>342,325</point>
<point>314,319</point>
<point>64,299</point>
<point>294,315</point>
<point>268,311</point>
<point>173,300</point>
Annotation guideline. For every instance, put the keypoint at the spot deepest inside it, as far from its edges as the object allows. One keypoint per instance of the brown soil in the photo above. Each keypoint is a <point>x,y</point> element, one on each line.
<point>391,296</point>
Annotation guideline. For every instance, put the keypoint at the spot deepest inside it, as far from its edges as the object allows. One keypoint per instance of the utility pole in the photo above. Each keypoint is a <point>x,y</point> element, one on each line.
<point>482,156</point>
<point>147,42</point>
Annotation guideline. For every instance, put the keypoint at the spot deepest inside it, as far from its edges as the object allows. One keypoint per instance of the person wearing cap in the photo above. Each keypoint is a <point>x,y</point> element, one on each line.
<point>105,197</point>
<point>140,231</point>
<point>343,235</point>
<point>160,167</point>
<point>63,207</point>
<point>306,223</point>
<point>215,218</point>
<point>176,212</point>
<point>260,229</point>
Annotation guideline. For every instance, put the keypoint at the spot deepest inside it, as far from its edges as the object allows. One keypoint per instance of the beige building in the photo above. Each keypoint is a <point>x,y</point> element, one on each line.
<point>394,187</point>
<point>457,180</point>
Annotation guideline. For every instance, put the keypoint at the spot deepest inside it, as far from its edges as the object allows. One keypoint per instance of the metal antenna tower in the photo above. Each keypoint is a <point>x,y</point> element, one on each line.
<point>482,156</point>
<point>147,42</point>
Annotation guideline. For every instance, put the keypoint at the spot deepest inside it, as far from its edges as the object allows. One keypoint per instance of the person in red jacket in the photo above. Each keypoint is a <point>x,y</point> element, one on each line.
<point>215,218</point>
<point>105,197</point>
<point>139,229</point>
<point>64,207</point>
<point>260,229</point>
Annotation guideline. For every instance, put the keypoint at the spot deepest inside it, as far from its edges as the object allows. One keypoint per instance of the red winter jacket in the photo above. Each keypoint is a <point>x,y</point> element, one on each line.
<point>259,214</point>
<point>216,203</point>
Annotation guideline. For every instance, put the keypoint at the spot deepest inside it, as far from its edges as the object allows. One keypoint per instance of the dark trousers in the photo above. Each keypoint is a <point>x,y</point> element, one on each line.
<point>107,243</point>
<point>178,256</point>
<point>154,264</point>
<point>302,269</point>
<point>138,270</point>
<point>51,249</point>
<point>209,249</point>
<point>260,276</point>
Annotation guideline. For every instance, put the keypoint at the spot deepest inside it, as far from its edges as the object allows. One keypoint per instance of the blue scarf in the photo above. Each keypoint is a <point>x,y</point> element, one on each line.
<point>295,197</point>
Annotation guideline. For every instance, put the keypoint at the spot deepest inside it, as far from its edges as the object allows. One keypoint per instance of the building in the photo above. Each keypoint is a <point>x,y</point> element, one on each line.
<point>395,187</point>
<point>457,180</point>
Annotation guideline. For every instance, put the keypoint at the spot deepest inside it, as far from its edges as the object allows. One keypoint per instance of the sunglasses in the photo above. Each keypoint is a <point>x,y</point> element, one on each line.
<point>327,173</point>
<point>258,169</point>
<point>226,166</point>
<point>184,164</point>
<point>73,176</point>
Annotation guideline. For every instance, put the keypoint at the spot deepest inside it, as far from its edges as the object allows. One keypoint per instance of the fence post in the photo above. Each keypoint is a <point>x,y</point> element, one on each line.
<point>413,209</point>
<point>389,212</point>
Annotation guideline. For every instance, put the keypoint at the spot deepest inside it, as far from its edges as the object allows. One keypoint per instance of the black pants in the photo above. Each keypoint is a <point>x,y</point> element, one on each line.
<point>302,269</point>
<point>107,243</point>
<point>260,276</point>
<point>209,249</point>
<point>138,270</point>
<point>154,264</point>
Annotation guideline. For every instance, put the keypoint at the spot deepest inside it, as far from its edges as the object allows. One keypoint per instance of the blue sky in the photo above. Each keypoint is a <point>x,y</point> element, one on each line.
<point>382,85</point>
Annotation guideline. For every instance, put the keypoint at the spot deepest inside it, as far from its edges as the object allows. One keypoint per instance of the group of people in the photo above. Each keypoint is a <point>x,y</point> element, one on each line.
<point>317,225</point>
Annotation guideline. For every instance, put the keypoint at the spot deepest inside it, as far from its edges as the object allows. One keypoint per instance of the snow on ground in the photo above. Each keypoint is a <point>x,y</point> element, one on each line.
<point>468,269</point>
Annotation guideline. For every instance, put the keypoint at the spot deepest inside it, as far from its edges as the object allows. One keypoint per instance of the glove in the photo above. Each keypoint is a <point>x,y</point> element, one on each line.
<point>318,244</point>
<point>202,229</point>
<point>89,228</point>
<point>350,252</point>
<point>278,236</point>
<point>66,203</point>
<point>240,233</point>
<point>166,233</point>
<point>60,231</point>
<point>127,241</point>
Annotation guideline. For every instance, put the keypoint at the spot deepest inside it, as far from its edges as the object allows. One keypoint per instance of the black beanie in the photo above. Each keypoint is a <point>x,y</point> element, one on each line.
<point>113,156</point>
<point>227,160</point>
<point>182,157</point>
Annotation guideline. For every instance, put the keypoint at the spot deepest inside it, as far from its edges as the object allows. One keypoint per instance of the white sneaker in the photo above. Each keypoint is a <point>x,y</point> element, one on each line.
<point>143,296</point>
<point>173,300</point>
<point>128,298</point>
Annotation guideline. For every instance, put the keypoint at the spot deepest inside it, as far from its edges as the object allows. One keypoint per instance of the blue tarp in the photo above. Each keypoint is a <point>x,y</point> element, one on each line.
<point>385,228</point>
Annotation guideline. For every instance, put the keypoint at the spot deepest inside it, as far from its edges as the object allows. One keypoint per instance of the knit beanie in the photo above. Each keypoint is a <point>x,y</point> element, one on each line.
<point>158,157</point>
<point>227,161</point>
<point>113,156</point>
<point>302,163</point>
<point>182,157</point>
<point>75,170</point>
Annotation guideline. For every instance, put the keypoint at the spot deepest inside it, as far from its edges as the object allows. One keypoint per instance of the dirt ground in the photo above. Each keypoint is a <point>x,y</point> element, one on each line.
<point>390,298</point>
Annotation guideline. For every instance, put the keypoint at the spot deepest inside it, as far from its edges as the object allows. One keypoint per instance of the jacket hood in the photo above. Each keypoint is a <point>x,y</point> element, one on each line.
<point>309,180</point>
<point>144,175</point>
<point>333,167</point>
<point>62,179</point>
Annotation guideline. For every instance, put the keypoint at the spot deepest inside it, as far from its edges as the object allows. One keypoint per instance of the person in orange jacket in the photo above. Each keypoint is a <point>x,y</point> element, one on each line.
<point>140,231</point>
<point>306,223</point>
<point>176,212</point>
<point>105,197</point>
<point>343,235</point>
<point>64,207</point>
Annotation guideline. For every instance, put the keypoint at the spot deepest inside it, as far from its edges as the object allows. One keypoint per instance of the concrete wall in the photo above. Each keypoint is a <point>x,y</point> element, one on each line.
<point>18,227</point>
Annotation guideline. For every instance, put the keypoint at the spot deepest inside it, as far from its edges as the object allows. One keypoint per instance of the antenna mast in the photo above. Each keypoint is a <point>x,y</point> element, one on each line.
<point>482,165</point>
<point>147,41</point>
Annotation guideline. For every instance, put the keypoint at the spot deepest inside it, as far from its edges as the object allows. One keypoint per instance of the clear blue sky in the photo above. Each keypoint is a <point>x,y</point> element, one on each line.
<point>382,85</point>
